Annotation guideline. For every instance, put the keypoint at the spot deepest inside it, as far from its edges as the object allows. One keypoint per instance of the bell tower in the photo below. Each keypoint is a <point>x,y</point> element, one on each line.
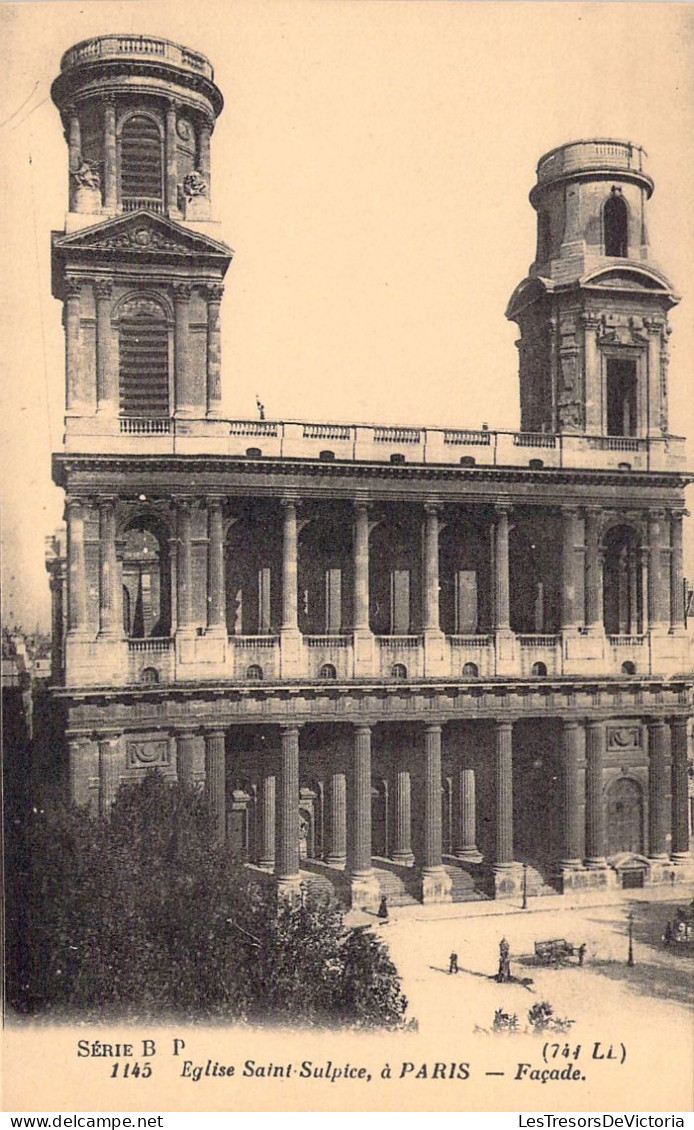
<point>593,310</point>
<point>138,266</point>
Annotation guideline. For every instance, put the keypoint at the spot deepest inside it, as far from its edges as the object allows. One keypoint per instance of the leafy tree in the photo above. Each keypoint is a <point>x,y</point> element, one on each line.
<point>141,916</point>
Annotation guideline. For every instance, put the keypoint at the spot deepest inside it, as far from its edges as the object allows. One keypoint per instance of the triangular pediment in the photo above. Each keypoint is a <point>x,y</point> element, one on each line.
<point>141,234</point>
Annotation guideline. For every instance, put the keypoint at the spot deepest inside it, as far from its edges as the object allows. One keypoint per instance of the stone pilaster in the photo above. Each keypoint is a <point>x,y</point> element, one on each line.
<point>363,882</point>
<point>595,808</point>
<point>106,379</point>
<point>287,855</point>
<point>436,882</point>
<point>571,616</point>
<point>594,603</point>
<point>110,156</point>
<point>402,831</point>
<point>657,619</point>
<point>74,391</point>
<point>110,608</point>
<point>74,141</point>
<point>570,756</point>
<point>185,758</point>
<point>109,773</point>
<point>466,830</point>
<point>676,579</point>
<point>216,596</point>
<point>171,160</point>
<point>680,795</point>
<point>184,563</point>
<point>204,162</point>
<point>182,390</point>
<point>658,797</point>
<point>336,855</point>
<point>77,576</point>
<point>215,784</point>
<point>214,351</point>
<point>268,791</point>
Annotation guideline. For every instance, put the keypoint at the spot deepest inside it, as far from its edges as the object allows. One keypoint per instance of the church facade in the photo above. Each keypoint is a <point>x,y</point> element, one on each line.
<point>426,663</point>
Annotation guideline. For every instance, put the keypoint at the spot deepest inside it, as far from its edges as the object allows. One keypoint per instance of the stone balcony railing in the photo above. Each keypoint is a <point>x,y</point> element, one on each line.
<point>367,443</point>
<point>590,154</point>
<point>136,46</point>
<point>245,660</point>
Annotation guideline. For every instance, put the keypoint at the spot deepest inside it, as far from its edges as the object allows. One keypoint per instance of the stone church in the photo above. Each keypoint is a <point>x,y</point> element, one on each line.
<point>432,663</point>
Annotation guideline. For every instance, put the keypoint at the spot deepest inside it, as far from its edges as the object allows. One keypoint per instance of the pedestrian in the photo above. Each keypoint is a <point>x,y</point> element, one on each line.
<point>667,936</point>
<point>383,909</point>
<point>504,973</point>
<point>581,953</point>
<point>453,963</point>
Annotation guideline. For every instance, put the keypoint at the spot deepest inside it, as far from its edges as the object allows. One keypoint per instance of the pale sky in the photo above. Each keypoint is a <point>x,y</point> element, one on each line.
<point>371,169</point>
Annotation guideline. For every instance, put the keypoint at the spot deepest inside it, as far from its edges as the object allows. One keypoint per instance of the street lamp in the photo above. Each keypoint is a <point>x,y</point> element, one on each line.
<point>630,958</point>
<point>524,905</point>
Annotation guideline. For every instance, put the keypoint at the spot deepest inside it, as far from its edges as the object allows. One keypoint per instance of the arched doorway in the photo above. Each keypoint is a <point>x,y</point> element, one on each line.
<point>624,817</point>
<point>623,590</point>
<point>146,582</point>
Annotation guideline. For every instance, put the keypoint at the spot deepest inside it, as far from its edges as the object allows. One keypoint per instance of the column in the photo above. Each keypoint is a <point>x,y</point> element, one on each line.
<point>656,618</point>
<point>74,141</point>
<point>431,570</point>
<point>361,567</point>
<point>466,832</point>
<point>109,773</point>
<point>502,621</point>
<point>266,854</point>
<point>204,163</point>
<point>658,800</point>
<point>337,819</point>
<point>214,351</point>
<point>680,793</point>
<point>73,391</point>
<point>290,566</point>
<point>171,161</point>
<point>77,575</point>
<point>216,595</point>
<point>287,856</point>
<point>594,613</point>
<point>503,794</point>
<point>572,847</point>
<point>595,809</point>
<point>570,617</point>
<point>436,882</point>
<point>676,579</point>
<point>360,855</point>
<point>182,392</point>
<point>185,759</point>
<point>110,617</point>
<point>184,566</point>
<point>402,831</point>
<point>106,384</point>
<point>110,158</point>
<point>215,784</point>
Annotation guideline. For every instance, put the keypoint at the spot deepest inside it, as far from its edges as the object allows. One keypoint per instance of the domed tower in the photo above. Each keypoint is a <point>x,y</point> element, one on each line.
<point>138,267</point>
<point>593,310</point>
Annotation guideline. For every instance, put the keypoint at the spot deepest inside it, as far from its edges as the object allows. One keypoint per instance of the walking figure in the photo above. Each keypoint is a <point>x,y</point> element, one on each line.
<point>453,963</point>
<point>383,909</point>
<point>581,953</point>
<point>504,973</point>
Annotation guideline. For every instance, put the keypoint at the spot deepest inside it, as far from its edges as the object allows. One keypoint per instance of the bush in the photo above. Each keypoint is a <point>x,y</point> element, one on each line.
<point>141,917</point>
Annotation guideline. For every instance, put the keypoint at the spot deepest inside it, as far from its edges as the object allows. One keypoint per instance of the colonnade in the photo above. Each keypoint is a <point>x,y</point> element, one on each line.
<point>664,595</point>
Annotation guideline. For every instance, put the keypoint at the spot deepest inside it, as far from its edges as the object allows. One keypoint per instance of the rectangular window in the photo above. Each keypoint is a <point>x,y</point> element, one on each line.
<point>621,397</point>
<point>400,602</point>
<point>466,617</point>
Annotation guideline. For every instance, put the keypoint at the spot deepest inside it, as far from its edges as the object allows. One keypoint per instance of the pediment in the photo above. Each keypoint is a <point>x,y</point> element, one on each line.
<point>632,277</point>
<point>141,234</point>
<point>526,293</point>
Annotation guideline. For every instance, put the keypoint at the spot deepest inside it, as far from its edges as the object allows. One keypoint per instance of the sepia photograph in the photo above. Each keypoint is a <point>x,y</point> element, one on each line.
<point>347,433</point>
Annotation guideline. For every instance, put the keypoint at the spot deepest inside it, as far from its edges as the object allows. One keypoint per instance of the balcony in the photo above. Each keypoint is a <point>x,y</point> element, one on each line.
<point>372,444</point>
<point>138,47</point>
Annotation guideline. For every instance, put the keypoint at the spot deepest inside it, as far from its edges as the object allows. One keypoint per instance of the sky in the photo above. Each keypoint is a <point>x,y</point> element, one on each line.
<point>371,169</point>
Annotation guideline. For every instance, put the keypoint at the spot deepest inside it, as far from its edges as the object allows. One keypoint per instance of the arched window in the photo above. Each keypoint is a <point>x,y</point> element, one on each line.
<point>255,671</point>
<point>398,671</point>
<point>539,669</point>
<point>149,675</point>
<point>628,668</point>
<point>141,179</point>
<point>471,670</point>
<point>143,344</point>
<point>615,220</point>
<point>146,581</point>
<point>327,671</point>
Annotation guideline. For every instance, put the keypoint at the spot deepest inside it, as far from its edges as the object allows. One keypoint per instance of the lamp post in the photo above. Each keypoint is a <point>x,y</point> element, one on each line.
<point>630,957</point>
<point>524,904</point>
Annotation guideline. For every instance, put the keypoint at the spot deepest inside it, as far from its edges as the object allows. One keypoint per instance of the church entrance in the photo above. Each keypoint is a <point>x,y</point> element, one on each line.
<point>624,817</point>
